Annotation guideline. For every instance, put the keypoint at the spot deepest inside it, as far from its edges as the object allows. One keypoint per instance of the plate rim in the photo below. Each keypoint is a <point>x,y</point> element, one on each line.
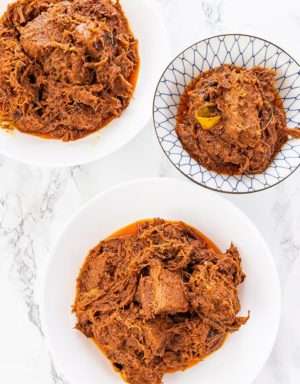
<point>45,273</point>
<point>154,120</point>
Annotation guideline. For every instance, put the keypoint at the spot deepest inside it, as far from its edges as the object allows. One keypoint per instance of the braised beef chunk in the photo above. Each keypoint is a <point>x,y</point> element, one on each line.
<point>67,68</point>
<point>44,32</point>
<point>232,120</point>
<point>211,296</point>
<point>162,292</point>
<point>157,299</point>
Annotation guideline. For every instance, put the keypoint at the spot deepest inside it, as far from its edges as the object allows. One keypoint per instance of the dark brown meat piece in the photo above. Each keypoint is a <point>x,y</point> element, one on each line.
<point>162,292</point>
<point>44,32</point>
<point>67,68</point>
<point>252,125</point>
<point>212,296</point>
<point>158,298</point>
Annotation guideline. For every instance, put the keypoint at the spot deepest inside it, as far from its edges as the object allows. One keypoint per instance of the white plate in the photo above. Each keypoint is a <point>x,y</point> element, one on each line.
<point>148,27</point>
<point>245,352</point>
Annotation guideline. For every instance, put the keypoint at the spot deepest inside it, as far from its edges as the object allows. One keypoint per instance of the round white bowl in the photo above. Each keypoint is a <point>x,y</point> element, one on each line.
<point>154,54</point>
<point>243,354</point>
<point>236,49</point>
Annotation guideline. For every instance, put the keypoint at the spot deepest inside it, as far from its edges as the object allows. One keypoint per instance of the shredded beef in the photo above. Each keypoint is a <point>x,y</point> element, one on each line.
<point>252,125</point>
<point>159,299</point>
<point>67,67</point>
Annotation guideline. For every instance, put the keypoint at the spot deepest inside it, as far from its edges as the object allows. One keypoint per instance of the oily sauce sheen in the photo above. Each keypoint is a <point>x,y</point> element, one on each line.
<point>158,296</point>
<point>67,68</point>
<point>131,229</point>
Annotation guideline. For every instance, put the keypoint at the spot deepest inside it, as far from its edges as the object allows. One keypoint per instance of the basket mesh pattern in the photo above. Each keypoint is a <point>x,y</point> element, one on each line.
<point>227,49</point>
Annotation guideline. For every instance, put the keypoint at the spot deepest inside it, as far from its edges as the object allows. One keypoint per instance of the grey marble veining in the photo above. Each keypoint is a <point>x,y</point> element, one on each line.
<point>55,376</point>
<point>212,10</point>
<point>35,204</point>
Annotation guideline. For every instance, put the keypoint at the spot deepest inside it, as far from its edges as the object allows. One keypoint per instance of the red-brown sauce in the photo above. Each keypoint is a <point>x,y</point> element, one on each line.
<point>10,125</point>
<point>131,229</point>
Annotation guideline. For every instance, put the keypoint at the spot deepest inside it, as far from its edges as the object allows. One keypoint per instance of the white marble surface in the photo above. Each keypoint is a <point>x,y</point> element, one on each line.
<point>35,203</point>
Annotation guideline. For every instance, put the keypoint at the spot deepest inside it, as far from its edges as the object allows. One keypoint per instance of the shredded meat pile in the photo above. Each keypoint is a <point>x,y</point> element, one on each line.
<point>158,300</point>
<point>67,67</point>
<point>252,125</point>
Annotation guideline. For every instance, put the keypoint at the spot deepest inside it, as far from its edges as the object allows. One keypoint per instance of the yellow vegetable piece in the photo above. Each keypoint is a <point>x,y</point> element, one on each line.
<point>208,122</point>
<point>207,116</point>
